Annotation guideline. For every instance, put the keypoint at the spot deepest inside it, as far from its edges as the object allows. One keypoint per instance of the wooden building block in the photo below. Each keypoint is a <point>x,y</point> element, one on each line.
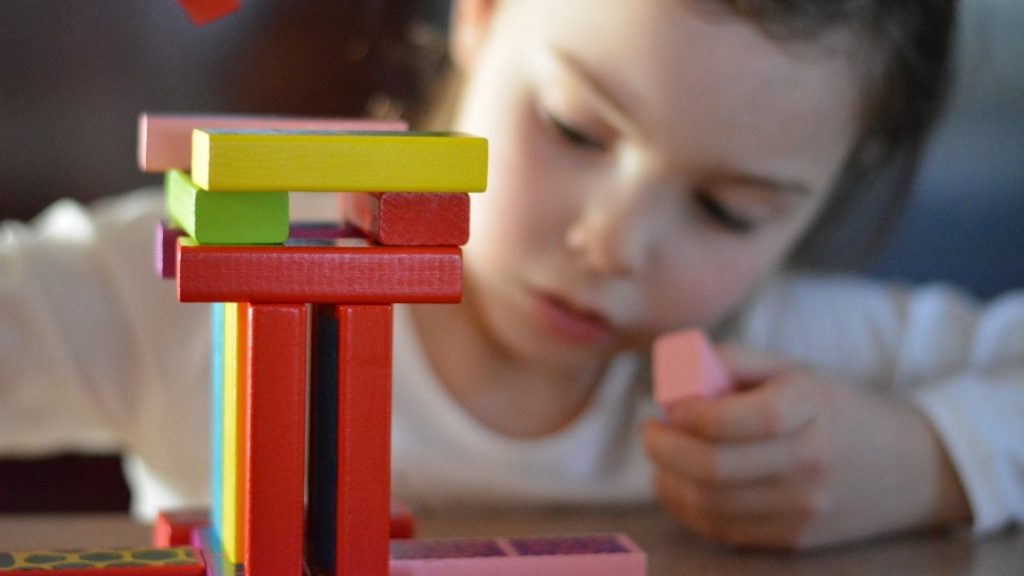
<point>205,11</point>
<point>217,390</point>
<point>165,140</point>
<point>403,523</point>
<point>233,456</point>
<point>206,541</point>
<point>590,555</point>
<point>275,439</point>
<point>319,274</point>
<point>399,219</point>
<point>175,527</point>
<point>685,366</point>
<point>166,247</point>
<point>216,218</point>
<point>177,561</point>
<point>238,160</point>
<point>350,466</point>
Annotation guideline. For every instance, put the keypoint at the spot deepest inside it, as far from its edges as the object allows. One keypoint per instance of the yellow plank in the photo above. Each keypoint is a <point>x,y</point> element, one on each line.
<point>268,160</point>
<point>234,438</point>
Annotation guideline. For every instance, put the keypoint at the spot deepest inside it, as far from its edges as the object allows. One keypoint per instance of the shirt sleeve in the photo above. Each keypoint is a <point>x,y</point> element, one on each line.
<point>73,364</point>
<point>961,362</point>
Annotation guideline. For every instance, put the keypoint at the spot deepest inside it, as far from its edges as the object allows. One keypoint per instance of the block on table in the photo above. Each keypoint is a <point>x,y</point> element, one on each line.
<point>275,429</point>
<point>175,561</point>
<point>175,527</point>
<point>592,555</point>
<point>350,442</point>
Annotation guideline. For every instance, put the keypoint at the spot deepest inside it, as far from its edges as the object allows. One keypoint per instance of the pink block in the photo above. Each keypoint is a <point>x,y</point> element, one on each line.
<point>165,140</point>
<point>686,366</point>
<point>593,555</point>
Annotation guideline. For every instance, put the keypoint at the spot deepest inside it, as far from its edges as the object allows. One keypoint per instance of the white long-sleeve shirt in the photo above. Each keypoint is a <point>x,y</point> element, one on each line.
<point>97,354</point>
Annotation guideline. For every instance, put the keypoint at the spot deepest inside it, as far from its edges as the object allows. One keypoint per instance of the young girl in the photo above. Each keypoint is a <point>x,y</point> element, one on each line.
<point>655,164</point>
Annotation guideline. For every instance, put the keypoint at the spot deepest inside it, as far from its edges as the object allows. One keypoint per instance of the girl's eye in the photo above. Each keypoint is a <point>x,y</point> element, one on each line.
<point>573,135</point>
<point>722,215</point>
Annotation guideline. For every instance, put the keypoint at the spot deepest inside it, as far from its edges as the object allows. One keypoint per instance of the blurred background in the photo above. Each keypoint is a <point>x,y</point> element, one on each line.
<point>75,75</point>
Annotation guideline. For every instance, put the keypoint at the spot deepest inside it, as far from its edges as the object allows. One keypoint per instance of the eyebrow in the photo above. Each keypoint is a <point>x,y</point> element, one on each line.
<point>600,89</point>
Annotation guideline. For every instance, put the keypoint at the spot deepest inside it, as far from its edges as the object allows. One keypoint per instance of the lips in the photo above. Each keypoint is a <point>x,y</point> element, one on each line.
<point>571,321</point>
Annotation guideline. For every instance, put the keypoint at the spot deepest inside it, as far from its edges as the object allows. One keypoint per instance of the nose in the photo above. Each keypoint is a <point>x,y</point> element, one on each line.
<point>616,231</point>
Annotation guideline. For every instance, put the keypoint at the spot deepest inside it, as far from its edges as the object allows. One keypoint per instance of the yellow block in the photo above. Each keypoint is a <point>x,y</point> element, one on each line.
<point>314,161</point>
<point>233,493</point>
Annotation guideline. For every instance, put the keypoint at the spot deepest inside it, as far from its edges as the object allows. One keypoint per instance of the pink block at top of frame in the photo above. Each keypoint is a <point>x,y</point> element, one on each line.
<point>165,140</point>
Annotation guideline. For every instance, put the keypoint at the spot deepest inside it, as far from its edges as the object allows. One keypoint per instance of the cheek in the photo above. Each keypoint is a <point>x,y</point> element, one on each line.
<point>523,213</point>
<point>699,287</point>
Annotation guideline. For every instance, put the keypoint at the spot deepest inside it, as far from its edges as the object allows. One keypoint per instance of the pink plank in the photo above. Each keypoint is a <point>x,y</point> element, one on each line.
<point>686,366</point>
<point>165,140</point>
<point>593,555</point>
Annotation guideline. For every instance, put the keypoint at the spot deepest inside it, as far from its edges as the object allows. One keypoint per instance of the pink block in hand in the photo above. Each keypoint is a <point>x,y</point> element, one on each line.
<point>165,140</point>
<point>685,366</point>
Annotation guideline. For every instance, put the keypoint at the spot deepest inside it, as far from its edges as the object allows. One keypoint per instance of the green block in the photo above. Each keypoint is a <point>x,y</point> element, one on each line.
<point>225,218</point>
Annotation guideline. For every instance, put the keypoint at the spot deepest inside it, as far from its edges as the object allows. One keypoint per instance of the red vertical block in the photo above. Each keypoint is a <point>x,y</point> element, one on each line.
<point>364,440</point>
<point>275,432</point>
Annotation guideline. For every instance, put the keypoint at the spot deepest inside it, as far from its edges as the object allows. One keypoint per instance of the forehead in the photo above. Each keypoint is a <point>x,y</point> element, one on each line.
<point>692,78</point>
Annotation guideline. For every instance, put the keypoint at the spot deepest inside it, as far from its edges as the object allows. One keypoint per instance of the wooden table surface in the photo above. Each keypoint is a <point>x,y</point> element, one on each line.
<point>671,550</point>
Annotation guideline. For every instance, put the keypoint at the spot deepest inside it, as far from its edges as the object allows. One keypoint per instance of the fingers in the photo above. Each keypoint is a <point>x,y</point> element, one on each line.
<point>761,517</point>
<point>698,460</point>
<point>781,405</point>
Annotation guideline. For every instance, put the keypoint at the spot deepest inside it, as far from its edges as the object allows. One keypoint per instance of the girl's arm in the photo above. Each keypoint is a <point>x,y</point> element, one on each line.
<point>874,410</point>
<point>84,326</point>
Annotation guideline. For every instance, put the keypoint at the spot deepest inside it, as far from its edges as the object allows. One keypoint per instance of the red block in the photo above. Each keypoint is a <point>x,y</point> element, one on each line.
<point>206,11</point>
<point>364,440</point>
<point>319,274</point>
<point>174,527</point>
<point>399,219</point>
<point>403,523</point>
<point>275,423</point>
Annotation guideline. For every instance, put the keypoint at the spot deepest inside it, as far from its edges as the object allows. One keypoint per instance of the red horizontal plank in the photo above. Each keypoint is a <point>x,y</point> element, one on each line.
<point>319,274</point>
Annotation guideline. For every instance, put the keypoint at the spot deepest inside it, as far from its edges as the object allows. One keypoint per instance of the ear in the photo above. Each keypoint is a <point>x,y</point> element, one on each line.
<point>470,22</point>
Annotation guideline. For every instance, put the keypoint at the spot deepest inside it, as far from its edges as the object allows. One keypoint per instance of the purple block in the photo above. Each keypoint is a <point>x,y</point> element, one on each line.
<point>166,247</point>
<point>593,555</point>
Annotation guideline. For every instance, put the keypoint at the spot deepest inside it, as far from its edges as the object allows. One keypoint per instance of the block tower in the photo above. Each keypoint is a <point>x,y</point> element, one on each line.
<point>406,212</point>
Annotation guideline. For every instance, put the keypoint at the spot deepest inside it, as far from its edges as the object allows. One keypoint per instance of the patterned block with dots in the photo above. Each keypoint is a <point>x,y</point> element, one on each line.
<point>177,561</point>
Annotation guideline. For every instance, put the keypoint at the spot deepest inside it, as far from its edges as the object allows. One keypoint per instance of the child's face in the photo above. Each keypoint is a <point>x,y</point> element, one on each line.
<point>649,165</point>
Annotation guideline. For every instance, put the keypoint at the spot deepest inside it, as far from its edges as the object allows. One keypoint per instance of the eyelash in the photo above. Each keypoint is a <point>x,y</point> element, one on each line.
<point>572,135</point>
<point>722,215</point>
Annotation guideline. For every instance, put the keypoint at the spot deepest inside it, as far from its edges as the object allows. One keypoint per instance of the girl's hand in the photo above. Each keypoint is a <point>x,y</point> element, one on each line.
<point>793,459</point>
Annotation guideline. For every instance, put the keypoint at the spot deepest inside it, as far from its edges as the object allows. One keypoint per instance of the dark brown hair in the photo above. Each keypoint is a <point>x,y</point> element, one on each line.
<point>908,65</point>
